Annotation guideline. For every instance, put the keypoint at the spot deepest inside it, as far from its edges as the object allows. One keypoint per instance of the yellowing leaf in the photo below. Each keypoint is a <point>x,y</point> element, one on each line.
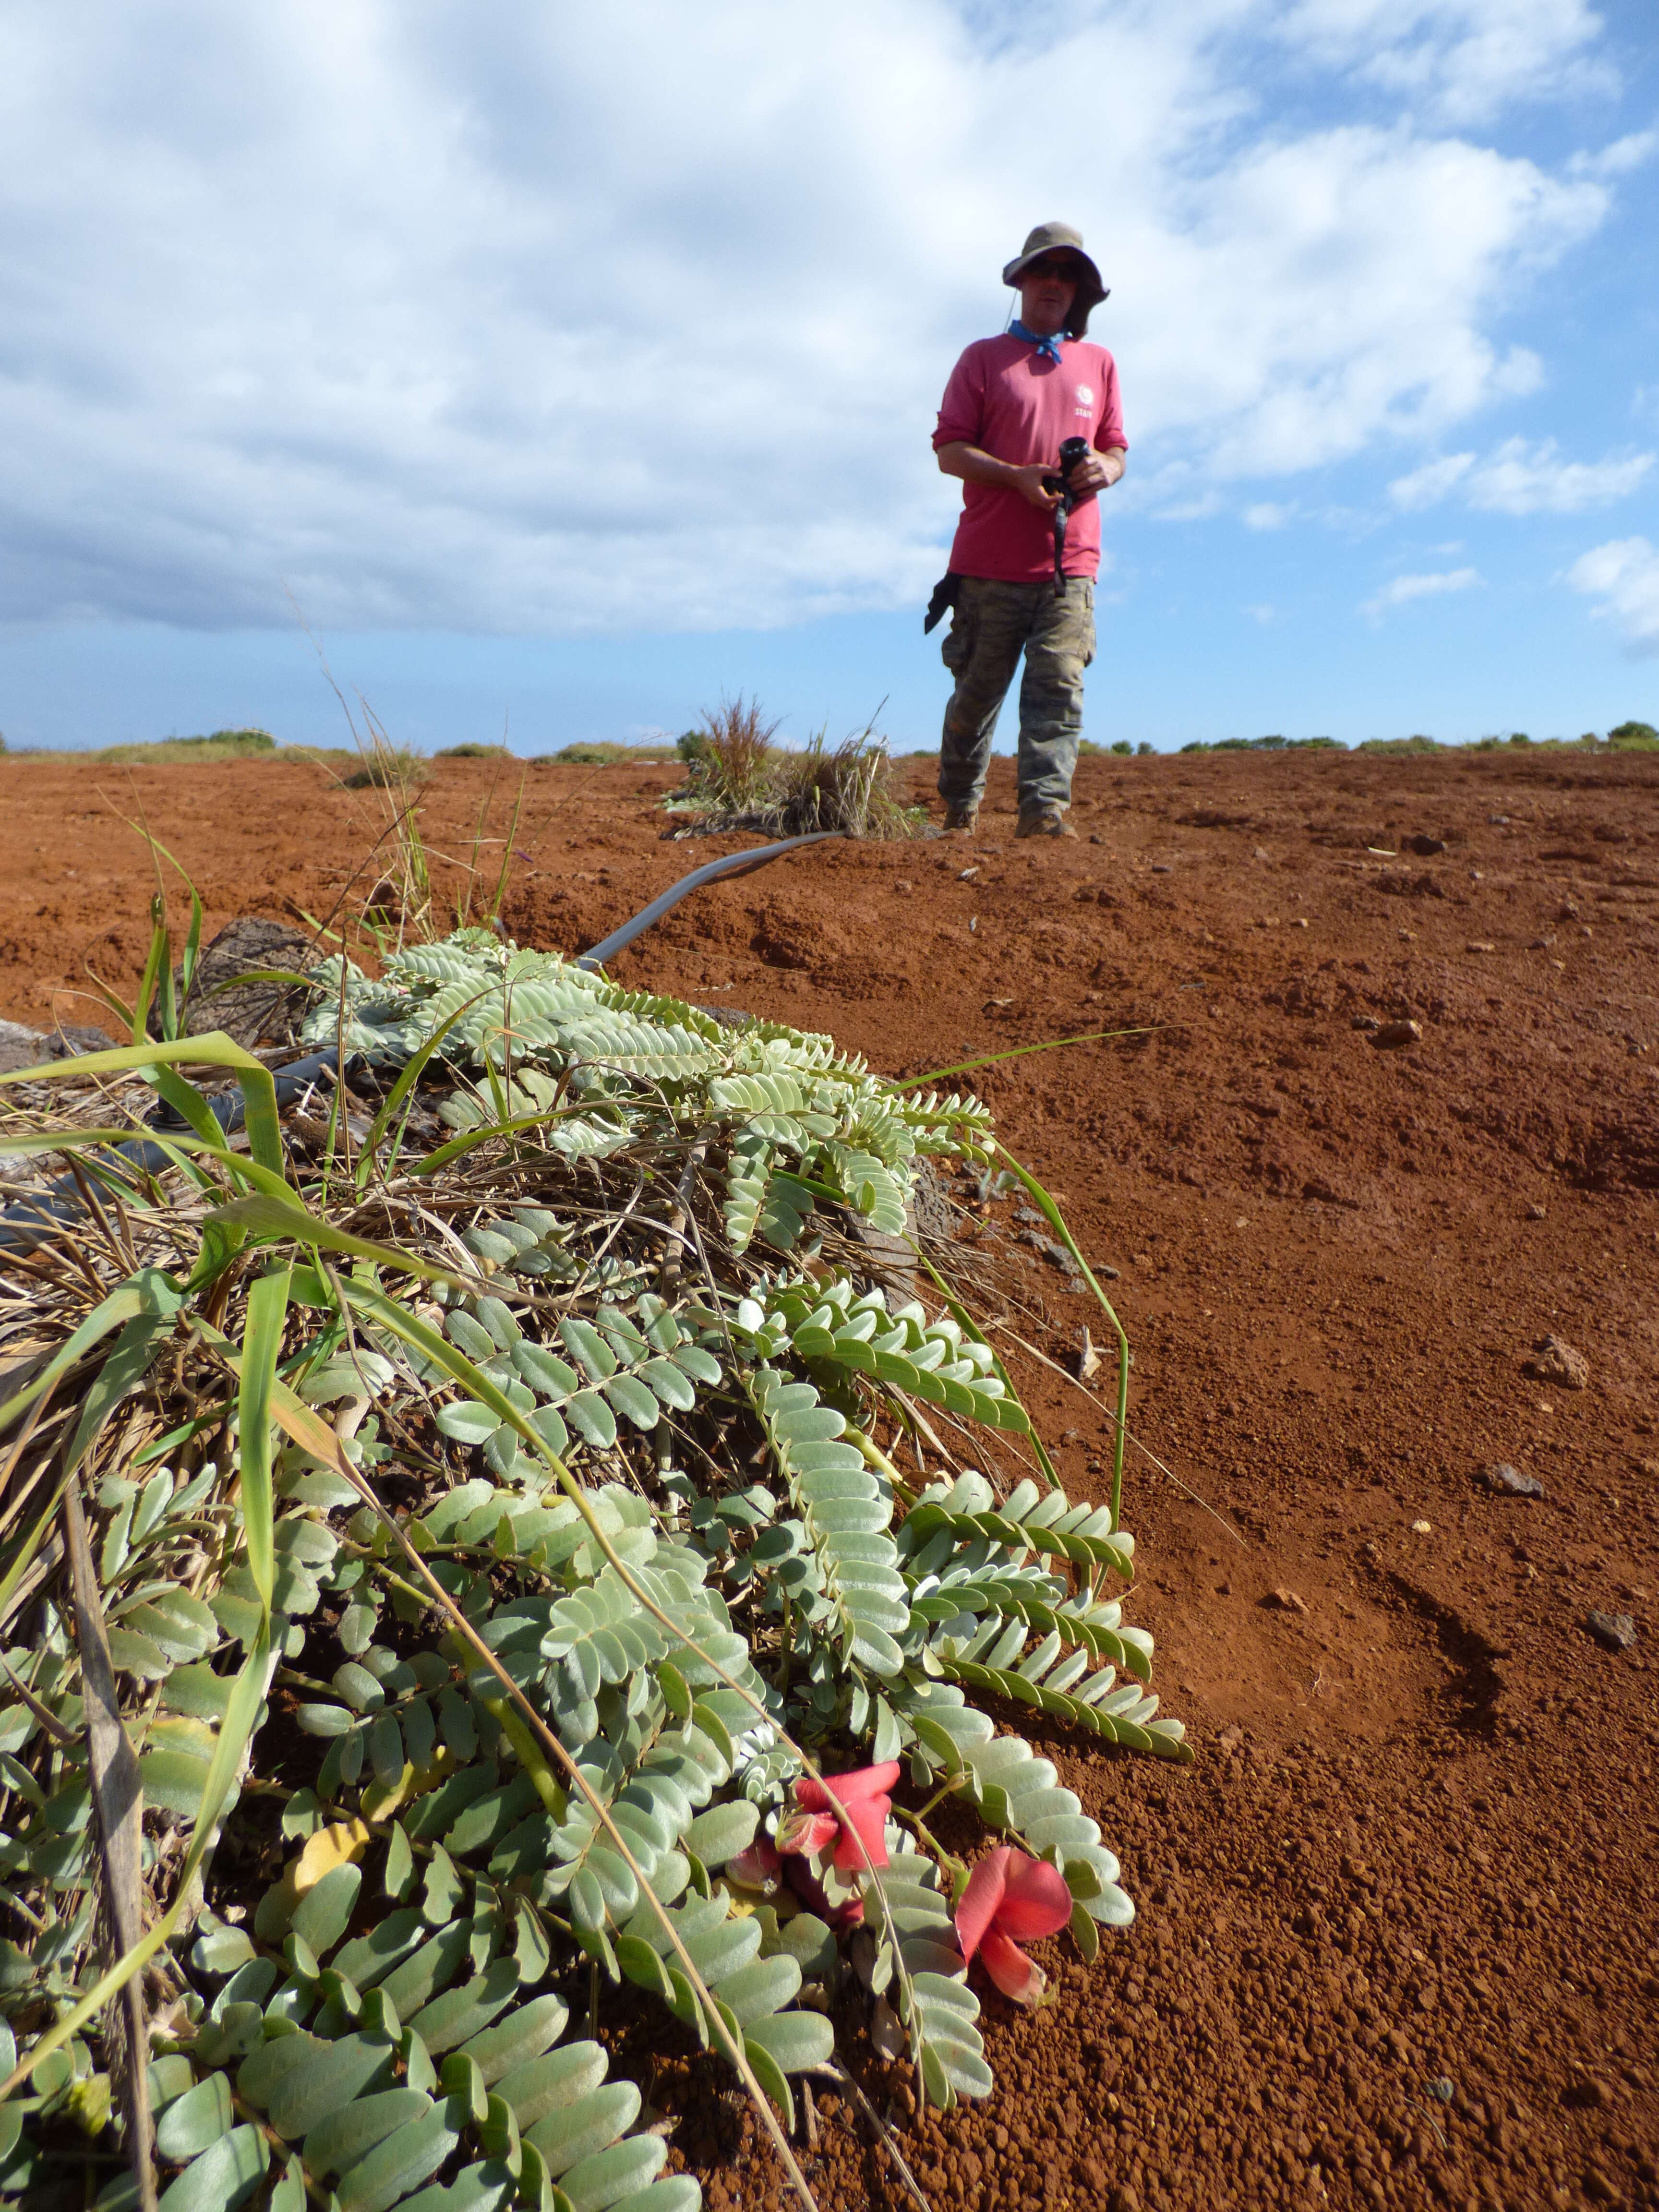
<point>381,1801</point>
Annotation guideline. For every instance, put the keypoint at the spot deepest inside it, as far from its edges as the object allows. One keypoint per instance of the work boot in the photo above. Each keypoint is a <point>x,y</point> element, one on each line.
<point>1044,822</point>
<point>963,814</point>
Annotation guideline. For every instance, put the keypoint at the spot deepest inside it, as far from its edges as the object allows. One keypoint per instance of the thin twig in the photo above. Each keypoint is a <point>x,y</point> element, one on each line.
<point>884,2135</point>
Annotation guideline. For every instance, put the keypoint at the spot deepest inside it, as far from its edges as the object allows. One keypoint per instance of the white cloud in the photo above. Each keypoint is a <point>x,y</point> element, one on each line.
<point>1268,514</point>
<point>1402,589</point>
<point>1425,486</point>
<point>1460,60</point>
<point>1519,478</point>
<point>1619,159</point>
<point>1624,576</point>
<point>522,318</point>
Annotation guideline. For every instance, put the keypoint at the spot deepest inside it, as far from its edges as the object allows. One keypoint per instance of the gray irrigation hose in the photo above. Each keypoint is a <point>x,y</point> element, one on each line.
<point>734,864</point>
<point>30,1221</point>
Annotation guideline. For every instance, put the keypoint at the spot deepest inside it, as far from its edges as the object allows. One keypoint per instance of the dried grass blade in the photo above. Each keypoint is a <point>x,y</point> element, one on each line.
<point>118,1798</point>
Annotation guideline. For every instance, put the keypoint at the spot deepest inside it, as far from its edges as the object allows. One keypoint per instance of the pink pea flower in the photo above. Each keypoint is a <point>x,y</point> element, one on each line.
<point>813,1839</point>
<point>1011,1899</point>
<point>858,1831</point>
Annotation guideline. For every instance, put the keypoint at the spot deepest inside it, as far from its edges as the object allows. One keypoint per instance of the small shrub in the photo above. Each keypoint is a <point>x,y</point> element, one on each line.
<point>471,750</point>
<point>1634,736</point>
<point>1123,746</point>
<point>387,768</point>
<point>603,752</point>
<point>1145,747</point>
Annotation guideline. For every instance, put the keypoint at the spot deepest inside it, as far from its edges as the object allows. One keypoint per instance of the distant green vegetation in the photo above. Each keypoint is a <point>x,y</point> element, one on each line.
<point>603,752</point>
<point>222,745</point>
<point>1269,744</point>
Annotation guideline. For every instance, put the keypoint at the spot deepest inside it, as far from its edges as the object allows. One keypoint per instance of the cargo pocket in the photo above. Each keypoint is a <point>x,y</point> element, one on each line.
<point>957,647</point>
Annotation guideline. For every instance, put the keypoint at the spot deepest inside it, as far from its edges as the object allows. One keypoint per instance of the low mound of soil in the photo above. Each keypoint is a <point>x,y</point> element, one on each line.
<point>1387,1117</point>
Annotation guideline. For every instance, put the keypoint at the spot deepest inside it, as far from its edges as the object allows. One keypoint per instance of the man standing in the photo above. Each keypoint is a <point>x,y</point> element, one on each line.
<point>1010,403</point>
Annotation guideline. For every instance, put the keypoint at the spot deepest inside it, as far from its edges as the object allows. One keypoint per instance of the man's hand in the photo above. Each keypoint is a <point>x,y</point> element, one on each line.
<point>1035,484</point>
<point>1097,471</point>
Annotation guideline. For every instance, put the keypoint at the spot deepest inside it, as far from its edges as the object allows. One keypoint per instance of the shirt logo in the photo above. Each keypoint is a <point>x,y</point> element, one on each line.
<point>1085,395</point>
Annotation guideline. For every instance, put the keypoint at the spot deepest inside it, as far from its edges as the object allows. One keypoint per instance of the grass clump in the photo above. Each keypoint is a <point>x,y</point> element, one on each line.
<point>473,750</point>
<point>738,779</point>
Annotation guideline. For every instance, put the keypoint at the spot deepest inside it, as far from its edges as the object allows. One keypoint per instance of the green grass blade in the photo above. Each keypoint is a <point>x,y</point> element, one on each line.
<point>267,1215</point>
<point>400,1090</point>
<point>262,1343</point>
<point>215,1049</point>
<point>1016,1052</point>
<point>1056,1221</point>
<point>155,962</point>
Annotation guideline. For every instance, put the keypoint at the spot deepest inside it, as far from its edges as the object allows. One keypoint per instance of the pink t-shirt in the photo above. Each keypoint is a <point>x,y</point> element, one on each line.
<point>1006,398</point>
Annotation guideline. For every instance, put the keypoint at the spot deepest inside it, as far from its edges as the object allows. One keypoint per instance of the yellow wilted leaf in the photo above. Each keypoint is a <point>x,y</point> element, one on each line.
<point>337,1845</point>
<point>330,1847</point>
<point>381,1801</point>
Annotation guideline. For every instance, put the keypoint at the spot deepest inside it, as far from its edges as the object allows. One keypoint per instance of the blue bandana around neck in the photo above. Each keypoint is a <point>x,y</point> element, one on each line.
<point>1049,347</point>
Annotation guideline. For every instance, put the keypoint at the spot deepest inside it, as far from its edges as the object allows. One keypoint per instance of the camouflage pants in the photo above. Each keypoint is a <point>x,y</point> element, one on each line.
<point>991,625</point>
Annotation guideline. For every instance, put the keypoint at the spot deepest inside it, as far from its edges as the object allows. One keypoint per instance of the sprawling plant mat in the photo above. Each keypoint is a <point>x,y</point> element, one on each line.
<point>446,1568</point>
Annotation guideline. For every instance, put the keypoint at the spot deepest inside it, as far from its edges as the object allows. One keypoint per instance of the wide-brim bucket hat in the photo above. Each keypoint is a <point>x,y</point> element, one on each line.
<point>1061,237</point>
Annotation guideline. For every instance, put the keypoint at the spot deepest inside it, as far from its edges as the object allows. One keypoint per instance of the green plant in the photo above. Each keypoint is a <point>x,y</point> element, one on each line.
<point>605,752</point>
<point>1123,746</point>
<point>733,769</point>
<point>543,1488</point>
<point>1634,736</point>
<point>738,779</point>
<point>473,750</point>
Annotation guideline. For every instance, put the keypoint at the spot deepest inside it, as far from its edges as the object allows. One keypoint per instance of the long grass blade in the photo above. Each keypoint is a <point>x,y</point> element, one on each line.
<point>215,1049</point>
<point>241,1712</point>
<point>1016,1052</point>
<point>267,1311</point>
<point>1056,1220</point>
<point>118,1799</point>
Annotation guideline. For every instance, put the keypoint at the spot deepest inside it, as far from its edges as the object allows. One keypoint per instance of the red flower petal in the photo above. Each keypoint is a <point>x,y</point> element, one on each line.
<point>1014,1974</point>
<point>758,1866</point>
<point>980,1899</point>
<point>1035,1901</point>
<point>863,1781</point>
<point>807,1834</point>
<point>863,1838</point>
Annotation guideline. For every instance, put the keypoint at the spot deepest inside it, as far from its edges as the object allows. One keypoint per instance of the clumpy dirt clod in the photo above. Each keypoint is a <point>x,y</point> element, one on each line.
<point>1397,1943</point>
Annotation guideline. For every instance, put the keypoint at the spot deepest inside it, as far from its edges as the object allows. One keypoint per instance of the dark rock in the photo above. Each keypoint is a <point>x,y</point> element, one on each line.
<point>1510,1480</point>
<point>1393,1034</point>
<point>1554,1360</point>
<point>1613,1632</point>
<point>223,996</point>
<point>1425,847</point>
<point>26,1047</point>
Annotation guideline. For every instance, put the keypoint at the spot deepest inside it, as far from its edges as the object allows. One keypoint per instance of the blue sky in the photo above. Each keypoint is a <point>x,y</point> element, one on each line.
<point>564,374</point>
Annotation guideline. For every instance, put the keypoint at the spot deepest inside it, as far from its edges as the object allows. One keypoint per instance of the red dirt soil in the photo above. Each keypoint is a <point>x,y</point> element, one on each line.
<point>1397,1939</point>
